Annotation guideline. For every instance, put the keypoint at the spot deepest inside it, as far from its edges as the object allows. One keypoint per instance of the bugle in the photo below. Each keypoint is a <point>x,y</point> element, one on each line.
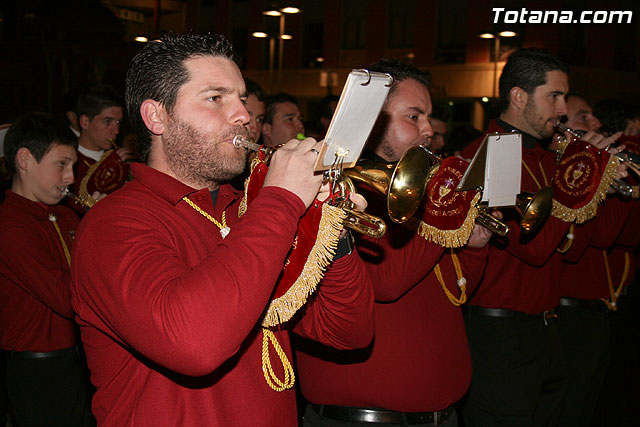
<point>532,209</point>
<point>87,202</point>
<point>355,220</point>
<point>403,182</point>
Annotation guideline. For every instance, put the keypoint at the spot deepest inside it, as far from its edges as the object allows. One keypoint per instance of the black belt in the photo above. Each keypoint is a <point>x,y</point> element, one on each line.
<point>503,312</point>
<point>370,415</point>
<point>65,352</point>
<point>593,305</point>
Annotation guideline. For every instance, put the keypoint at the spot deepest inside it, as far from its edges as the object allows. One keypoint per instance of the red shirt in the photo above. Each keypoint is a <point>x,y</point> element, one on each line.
<point>170,312</point>
<point>419,359</point>
<point>35,299</point>
<point>587,277</point>
<point>522,274</point>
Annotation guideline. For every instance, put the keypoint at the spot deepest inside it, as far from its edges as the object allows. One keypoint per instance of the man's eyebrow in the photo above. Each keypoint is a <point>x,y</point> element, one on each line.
<point>220,89</point>
<point>418,110</point>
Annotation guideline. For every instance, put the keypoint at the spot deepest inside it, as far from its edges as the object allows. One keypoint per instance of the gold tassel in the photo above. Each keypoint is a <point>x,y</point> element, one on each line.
<point>451,238</point>
<point>272,380</point>
<point>589,210</point>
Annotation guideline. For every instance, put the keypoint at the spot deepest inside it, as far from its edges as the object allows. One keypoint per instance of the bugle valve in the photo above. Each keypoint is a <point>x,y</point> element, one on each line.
<point>532,209</point>
<point>87,202</point>
<point>355,220</point>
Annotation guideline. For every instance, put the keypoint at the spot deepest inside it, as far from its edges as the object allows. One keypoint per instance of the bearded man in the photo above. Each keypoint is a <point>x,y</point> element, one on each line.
<point>170,284</point>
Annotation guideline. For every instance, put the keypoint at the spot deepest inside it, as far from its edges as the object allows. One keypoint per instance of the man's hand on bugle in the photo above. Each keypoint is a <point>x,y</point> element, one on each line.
<point>291,168</point>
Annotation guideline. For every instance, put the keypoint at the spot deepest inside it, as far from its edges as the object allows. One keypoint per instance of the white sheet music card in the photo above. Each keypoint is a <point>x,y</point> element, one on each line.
<point>496,168</point>
<point>503,169</point>
<point>358,108</point>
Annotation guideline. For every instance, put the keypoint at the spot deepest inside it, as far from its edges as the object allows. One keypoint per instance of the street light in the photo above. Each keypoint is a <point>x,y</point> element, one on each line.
<point>282,12</point>
<point>282,36</point>
<point>272,48</point>
<point>496,53</point>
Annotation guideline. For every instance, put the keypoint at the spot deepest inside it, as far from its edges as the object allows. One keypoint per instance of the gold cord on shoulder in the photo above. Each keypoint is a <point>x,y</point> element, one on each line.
<point>224,229</point>
<point>614,294</point>
<point>532,175</point>
<point>65,248</point>
<point>462,282</point>
<point>570,236</point>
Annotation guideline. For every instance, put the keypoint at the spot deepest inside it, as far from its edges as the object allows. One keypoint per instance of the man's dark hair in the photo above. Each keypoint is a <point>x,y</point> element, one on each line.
<point>157,72</point>
<point>527,69</point>
<point>254,89</point>
<point>614,114</point>
<point>37,132</point>
<point>96,99</point>
<point>272,101</point>
<point>401,71</point>
<point>440,112</point>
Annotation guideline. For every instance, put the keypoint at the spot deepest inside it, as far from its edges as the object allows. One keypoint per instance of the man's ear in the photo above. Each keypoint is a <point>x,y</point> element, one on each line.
<point>518,97</point>
<point>84,121</point>
<point>24,159</point>
<point>154,116</point>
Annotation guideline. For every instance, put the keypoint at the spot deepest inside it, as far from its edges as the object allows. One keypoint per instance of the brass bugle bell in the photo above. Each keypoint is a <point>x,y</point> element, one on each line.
<point>404,182</point>
<point>532,208</point>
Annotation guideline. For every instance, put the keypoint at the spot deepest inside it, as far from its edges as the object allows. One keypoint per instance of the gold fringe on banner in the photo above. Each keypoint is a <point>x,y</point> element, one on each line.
<point>283,308</point>
<point>243,203</point>
<point>451,238</point>
<point>589,210</point>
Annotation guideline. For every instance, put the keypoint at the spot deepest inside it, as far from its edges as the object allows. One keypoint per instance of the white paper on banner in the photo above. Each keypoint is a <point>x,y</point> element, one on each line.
<point>503,169</point>
<point>360,103</point>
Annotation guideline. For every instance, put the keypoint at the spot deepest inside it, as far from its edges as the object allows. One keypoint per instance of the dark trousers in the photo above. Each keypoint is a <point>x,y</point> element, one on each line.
<point>517,377</point>
<point>618,403</point>
<point>49,391</point>
<point>586,340</point>
<point>313,419</point>
<point>4,399</point>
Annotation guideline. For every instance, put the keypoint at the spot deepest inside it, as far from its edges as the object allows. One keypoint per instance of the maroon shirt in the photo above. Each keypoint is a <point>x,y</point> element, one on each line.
<point>170,312</point>
<point>522,274</point>
<point>419,359</point>
<point>586,277</point>
<point>35,298</point>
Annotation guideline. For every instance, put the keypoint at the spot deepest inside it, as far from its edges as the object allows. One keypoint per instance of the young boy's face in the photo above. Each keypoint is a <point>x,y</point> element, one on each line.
<point>100,131</point>
<point>45,180</point>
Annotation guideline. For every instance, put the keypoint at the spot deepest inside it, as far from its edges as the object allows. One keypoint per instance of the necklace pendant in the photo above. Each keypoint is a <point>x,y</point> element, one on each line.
<point>224,231</point>
<point>52,217</point>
